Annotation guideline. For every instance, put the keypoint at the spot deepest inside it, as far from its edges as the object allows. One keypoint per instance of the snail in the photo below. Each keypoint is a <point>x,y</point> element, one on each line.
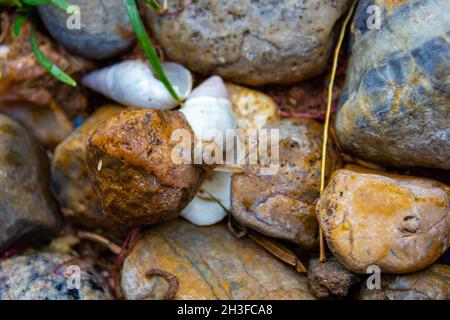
<point>209,112</point>
<point>133,84</point>
<point>204,210</point>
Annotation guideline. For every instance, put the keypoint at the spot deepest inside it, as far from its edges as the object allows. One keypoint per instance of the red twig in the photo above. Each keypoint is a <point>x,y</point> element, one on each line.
<point>10,252</point>
<point>131,239</point>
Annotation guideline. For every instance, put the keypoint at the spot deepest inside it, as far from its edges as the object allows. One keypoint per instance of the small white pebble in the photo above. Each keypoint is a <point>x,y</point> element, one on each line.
<point>99,166</point>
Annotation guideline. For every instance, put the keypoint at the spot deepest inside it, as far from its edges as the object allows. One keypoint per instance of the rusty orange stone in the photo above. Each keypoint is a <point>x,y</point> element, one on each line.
<point>398,223</point>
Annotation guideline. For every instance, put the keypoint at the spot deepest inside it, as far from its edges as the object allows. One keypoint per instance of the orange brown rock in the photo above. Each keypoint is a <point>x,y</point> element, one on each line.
<point>130,167</point>
<point>398,223</point>
<point>70,182</point>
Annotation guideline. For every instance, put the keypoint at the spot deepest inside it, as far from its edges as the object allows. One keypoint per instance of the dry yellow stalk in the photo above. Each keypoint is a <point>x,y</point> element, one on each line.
<point>328,115</point>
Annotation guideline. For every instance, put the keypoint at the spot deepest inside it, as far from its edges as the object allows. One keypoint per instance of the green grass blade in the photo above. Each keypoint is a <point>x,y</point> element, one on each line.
<point>62,4</point>
<point>154,4</point>
<point>147,46</point>
<point>217,201</point>
<point>18,23</point>
<point>46,63</point>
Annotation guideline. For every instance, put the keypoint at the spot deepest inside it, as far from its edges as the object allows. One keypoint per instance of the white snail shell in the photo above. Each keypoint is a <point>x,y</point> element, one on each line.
<point>133,84</point>
<point>208,109</point>
<point>204,212</point>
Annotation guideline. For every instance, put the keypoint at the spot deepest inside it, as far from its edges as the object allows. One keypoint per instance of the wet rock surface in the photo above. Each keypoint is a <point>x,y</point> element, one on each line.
<point>209,264</point>
<point>48,126</point>
<point>70,181</point>
<point>28,212</point>
<point>130,167</point>
<point>250,42</point>
<point>282,204</point>
<point>398,223</point>
<point>44,276</point>
<point>330,279</point>
<point>395,106</point>
<point>432,283</point>
<point>105,28</point>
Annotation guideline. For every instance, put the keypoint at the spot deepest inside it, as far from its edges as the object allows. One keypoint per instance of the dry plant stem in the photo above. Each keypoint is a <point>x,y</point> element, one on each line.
<point>4,26</point>
<point>85,235</point>
<point>278,250</point>
<point>328,115</point>
<point>170,278</point>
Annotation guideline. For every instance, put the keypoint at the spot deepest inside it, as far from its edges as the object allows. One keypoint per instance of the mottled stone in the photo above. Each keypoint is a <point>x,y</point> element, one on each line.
<point>395,107</point>
<point>209,264</point>
<point>282,204</point>
<point>250,42</point>
<point>252,109</point>
<point>399,223</point>
<point>48,126</point>
<point>330,279</point>
<point>432,283</point>
<point>46,276</point>
<point>70,181</point>
<point>130,166</point>
<point>105,28</point>
<point>28,212</point>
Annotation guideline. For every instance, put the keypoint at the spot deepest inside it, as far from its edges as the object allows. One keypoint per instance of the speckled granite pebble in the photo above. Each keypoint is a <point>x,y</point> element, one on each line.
<point>40,276</point>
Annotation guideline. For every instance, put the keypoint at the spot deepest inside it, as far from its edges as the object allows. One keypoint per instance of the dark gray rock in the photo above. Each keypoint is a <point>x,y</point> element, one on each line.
<point>251,42</point>
<point>395,107</point>
<point>105,28</point>
<point>46,276</point>
<point>28,211</point>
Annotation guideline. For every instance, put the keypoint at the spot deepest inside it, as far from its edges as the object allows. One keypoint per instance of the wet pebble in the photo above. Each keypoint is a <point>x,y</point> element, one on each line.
<point>399,223</point>
<point>104,32</point>
<point>28,211</point>
<point>130,165</point>
<point>281,203</point>
<point>69,178</point>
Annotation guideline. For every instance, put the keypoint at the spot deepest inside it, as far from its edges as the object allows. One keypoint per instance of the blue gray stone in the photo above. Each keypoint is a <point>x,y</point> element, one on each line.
<point>105,28</point>
<point>395,106</point>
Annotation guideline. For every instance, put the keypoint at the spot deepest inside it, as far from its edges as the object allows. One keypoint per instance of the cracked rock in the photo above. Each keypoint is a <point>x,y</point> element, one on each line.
<point>399,223</point>
<point>395,106</point>
<point>209,264</point>
<point>250,42</point>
